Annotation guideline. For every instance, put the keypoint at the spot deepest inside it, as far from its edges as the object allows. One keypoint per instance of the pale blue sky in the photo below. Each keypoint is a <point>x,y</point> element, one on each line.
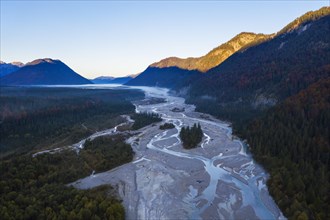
<point>119,38</point>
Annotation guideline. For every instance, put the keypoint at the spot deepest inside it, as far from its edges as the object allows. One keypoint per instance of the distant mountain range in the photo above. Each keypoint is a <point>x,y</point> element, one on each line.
<point>49,72</point>
<point>7,68</point>
<point>111,80</point>
<point>40,72</point>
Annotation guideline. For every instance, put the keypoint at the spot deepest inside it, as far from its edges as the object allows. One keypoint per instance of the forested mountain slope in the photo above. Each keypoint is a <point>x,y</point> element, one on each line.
<point>263,75</point>
<point>292,142</point>
<point>215,56</point>
<point>168,77</point>
<point>173,71</point>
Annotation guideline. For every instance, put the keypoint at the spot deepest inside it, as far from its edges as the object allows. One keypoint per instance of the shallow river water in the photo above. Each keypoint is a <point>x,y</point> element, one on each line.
<point>217,180</point>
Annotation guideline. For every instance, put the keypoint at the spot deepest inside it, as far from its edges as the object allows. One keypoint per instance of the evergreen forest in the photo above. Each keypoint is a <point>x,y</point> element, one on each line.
<point>191,136</point>
<point>37,118</point>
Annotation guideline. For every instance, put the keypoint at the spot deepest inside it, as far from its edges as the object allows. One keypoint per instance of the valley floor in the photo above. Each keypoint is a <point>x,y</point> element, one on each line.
<point>215,181</point>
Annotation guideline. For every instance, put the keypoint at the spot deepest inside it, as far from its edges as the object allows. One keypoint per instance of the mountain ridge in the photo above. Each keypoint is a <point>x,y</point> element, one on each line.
<point>216,56</point>
<point>8,68</point>
<point>44,72</point>
<point>111,80</point>
<point>159,73</point>
<point>307,17</point>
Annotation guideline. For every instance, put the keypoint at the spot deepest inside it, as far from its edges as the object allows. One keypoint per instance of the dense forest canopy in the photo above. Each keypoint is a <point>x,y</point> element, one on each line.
<point>33,187</point>
<point>166,126</point>
<point>191,136</point>
<point>145,118</point>
<point>35,117</point>
<point>292,142</point>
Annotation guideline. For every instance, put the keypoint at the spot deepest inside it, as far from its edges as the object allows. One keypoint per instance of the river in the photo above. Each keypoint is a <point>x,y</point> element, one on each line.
<point>217,180</point>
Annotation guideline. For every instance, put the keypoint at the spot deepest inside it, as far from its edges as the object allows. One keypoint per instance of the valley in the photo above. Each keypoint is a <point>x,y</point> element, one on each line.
<point>102,131</point>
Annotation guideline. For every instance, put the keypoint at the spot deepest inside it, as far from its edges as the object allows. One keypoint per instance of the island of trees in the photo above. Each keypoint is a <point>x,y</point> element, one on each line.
<point>191,136</point>
<point>145,118</point>
<point>166,126</point>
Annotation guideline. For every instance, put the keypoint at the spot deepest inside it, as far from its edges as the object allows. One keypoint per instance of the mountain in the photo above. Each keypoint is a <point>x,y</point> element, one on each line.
<point>7,68</point>
<point>307,17</point>
<point>215,56</point>
<point>17,63</point>
<point>168,77</point>
<point>173,71</point>
<point>44,72</point>
<point>102,79</point>
<point>266,74</point>
<point>111,80</point>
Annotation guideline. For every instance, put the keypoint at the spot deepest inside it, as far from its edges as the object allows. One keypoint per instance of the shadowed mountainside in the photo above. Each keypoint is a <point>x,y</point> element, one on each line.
<point>168,77</point>
<point>44,72</point>
<point>173,72</point>
<point>7,68</point>
<point>292,142</point>
<point>111,80</point>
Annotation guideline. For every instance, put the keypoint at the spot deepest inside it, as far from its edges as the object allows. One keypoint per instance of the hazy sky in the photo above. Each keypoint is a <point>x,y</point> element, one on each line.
<point>119,38</point>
